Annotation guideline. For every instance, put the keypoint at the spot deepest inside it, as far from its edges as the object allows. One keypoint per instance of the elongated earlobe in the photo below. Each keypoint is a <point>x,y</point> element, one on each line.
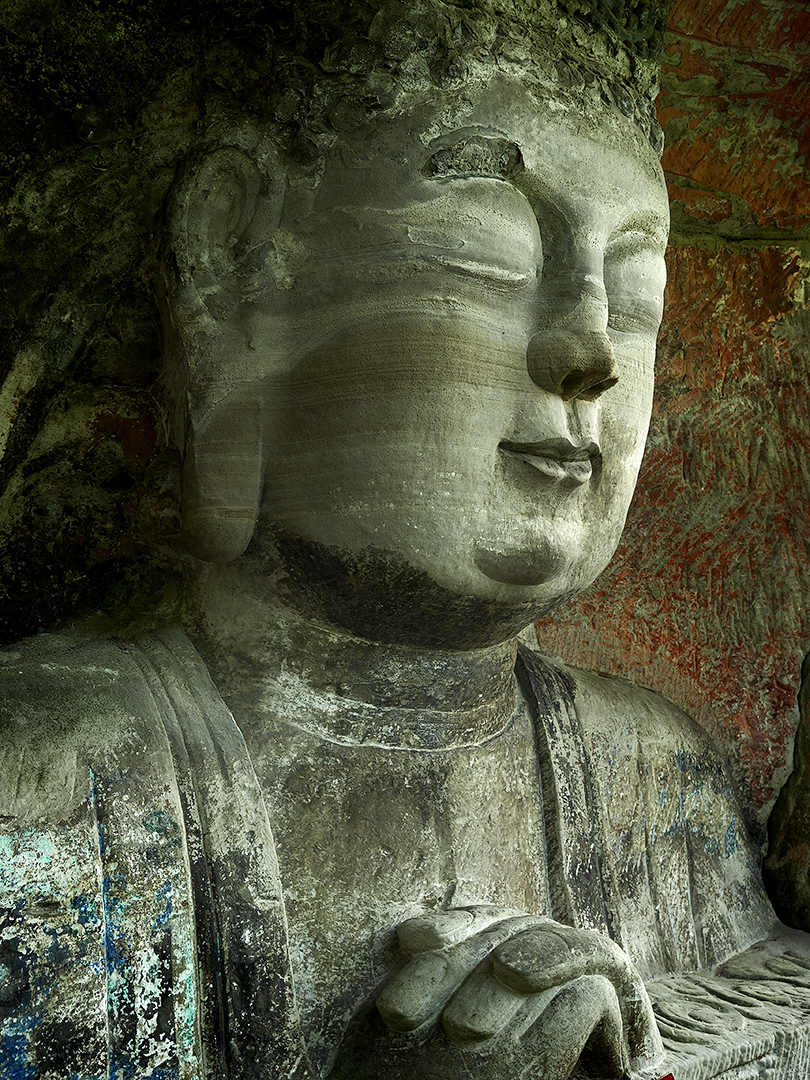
<point>223,477</point>
<point>222,221</point>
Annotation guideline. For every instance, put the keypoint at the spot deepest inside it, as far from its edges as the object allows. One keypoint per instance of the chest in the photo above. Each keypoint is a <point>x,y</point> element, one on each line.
<point>413,825</point>
<point>370,836</point>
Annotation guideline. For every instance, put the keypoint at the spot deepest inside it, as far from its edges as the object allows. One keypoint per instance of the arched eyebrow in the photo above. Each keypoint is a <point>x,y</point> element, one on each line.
<point>474,155</point>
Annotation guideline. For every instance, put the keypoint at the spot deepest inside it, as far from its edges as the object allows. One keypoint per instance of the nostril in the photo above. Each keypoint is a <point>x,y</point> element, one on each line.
<point>571,386</point>
<point>572,365</point>
<point>576,385</point>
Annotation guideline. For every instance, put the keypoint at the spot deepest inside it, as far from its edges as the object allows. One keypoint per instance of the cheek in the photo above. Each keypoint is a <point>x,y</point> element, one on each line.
<point>624,422</point>
<point>396,398</point>
<point>626,408</point>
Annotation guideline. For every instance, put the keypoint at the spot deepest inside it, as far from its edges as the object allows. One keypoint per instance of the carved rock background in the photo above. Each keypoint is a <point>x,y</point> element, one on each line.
<point>706,600</point>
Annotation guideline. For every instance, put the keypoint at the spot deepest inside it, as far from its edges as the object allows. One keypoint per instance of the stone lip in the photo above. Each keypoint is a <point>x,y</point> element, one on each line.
<point>559,459</point>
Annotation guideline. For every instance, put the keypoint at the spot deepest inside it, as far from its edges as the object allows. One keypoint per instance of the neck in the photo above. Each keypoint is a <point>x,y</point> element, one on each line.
<point>270,662</point>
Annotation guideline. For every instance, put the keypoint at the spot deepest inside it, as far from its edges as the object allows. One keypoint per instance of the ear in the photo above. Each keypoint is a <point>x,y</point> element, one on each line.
<point>229,212</point>
<point>224,217</point>
<point>223,477</point>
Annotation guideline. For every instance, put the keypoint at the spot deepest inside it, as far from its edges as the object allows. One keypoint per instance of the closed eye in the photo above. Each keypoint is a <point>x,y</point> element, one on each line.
<point>635,275</point>
<point>633,314</point>
<point>499,275</point>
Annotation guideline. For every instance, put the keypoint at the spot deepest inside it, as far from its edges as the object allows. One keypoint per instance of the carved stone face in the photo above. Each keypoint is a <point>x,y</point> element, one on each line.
<point>471,330</point>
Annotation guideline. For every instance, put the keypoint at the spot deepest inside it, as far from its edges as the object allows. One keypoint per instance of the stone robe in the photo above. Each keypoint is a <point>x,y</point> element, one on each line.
<point>144,929</point>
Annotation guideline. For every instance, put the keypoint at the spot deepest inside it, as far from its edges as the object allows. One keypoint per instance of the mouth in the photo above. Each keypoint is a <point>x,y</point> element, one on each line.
<point>557,459</point>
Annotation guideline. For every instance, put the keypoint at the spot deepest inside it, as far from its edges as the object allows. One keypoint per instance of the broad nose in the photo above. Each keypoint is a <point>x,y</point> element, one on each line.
<point>573,357</point>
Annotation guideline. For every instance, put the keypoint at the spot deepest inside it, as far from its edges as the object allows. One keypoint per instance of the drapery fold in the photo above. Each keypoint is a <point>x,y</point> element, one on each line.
<point>144,934</point>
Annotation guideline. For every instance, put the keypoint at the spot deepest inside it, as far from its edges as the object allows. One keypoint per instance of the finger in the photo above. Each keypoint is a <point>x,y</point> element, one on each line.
<point>549,956</point>
<point>540,959</point>
<point>582,1021</point>
<point>445,928</point>
<point>480,1008</point>
<point>423,987</point>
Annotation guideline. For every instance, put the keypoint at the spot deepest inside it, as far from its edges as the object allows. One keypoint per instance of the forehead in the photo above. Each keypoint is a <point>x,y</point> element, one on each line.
<point>584,162</point>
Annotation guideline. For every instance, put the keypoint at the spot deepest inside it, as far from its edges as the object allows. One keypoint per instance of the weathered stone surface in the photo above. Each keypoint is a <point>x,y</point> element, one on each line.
<point>748,1018</point>
<point>409,322</point>
<point>787,866</point>
<point>144,931</point>
<point>172,845</point>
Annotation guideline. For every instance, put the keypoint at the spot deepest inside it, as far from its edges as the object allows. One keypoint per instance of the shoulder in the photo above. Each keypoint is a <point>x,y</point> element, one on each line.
<point>611,703</point>
<point>58,674</point>
<point>65,704</point>
<point>611,709</point>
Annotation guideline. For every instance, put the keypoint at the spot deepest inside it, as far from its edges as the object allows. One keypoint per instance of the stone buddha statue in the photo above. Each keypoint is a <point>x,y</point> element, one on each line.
<point>345,822</point>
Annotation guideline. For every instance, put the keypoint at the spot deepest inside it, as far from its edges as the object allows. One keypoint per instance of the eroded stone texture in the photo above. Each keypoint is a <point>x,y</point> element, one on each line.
<point>787,865</point>
<point>409,324</point>
<point>160,891</point>
<point>734,92</point>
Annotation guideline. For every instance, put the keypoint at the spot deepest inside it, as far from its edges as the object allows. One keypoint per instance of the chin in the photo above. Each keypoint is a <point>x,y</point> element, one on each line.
<point>379,595</point>
<point>526,567</point>
<point>532,599</point>
<point>550,570</point>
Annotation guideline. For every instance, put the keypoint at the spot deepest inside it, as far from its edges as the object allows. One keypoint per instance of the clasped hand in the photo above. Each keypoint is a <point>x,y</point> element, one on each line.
<point>546,995</point>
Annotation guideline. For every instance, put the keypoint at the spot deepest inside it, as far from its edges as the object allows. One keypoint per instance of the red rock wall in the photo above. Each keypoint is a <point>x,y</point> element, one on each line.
<point>708,598</point>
